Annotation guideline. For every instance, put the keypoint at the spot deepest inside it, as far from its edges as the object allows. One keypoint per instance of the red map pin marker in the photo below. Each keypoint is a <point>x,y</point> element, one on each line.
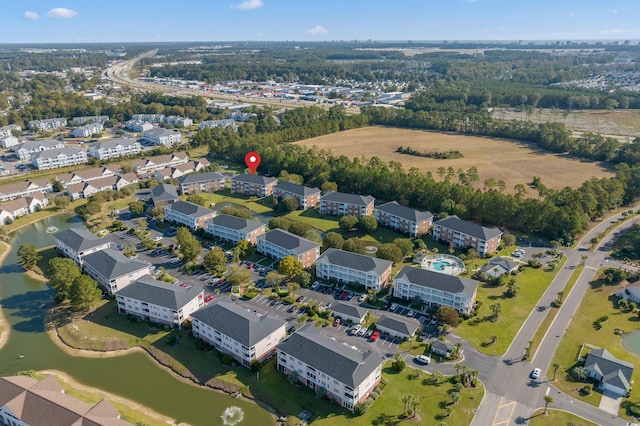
<point>252,159</point>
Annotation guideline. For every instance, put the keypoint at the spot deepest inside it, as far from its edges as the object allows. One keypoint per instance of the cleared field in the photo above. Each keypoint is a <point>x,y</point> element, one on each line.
<point>513,162</point>
<point>623,124</point>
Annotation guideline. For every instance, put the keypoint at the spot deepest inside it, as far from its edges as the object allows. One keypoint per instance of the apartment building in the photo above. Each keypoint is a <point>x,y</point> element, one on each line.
<point>76,243</point>
<point>160,136</point>
<point>201,182</point>
<point>237,332</point>
<point>307,197</point>
<point>260,186</point>
<point>233,229</point>
<point>181,169</point>
<point>343,204</point>
<point>90,118</point>
<point>436,289</point>
<point>159,302</point>
<point>114,148</point>
<point>56,158</point>
<point>159,162</point>
<point>346,267</point>
<point>19,207</point>
<point>178,121</point>
<point>87,130</point>
<point>149,118</point>
<point>8,141</point>
<point>11,191</point>
<point>47,124</point>
<point>164,194</point>
<point>347,375</point>
<point>138,126</point>
<point>112,270</point>
<point>210,124</point>
<point>463,234</point>
<point>398,326</point>
<point>8,130</point>
<point>404,219</point>
<point>188,214</point>
<point>25,150</point>
<point>25,401</point>
<point>278,243</point>
<point>88,188</point>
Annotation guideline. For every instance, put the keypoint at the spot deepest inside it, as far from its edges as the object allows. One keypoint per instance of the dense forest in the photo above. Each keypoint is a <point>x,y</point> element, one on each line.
<point>558,215</point>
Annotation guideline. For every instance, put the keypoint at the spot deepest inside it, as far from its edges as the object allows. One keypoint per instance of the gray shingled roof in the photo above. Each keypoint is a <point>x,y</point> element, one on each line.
<point>113,264</point>
<point>613,371</point>
<point>342,197</point>
<point>199,177</point>
<point>50,153</point>
<point>348,309</point>
<point>190,209</point>
<point>49,143</point>
<point>159,293</point>
<point>236,223</point>
<point>400,324</point>
<point>254,179</point>
<point>355,261</point>
<point>329,356</point>
<point>164,192</point>
<point>159,131</point>
<point>289,241</point>
<point>112,143</point>
<point>507,264</point>
<point>79,239</point>
<point>438,281</point>
<point>469,228</point>
<point>408,213</point>
<point>296,189</point>
<point>238,323</point>
<point>441,346</point>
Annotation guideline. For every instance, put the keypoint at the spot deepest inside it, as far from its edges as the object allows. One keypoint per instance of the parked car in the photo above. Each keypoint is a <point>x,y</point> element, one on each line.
<point>356,329</point>
<point>536,373</point>
<point>209,298</point>
<point>393,307</point>
<point>361,298</point>
<point>362,331</point>
<point>291,329</point>
<point>300,299</point>
<point>433,321</point>
<point>375,336</point>
<point>422,359</point>
<point>336,323</point>
<point>369,333</point>
<point>410,313</point>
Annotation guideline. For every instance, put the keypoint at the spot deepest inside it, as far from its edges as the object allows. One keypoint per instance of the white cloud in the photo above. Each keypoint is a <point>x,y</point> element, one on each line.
<point>318,29</point>
<point>30,15</point>
<point>615,31</point>
<point>249,4</point>
<point>61,12</point>
<point>614,11</point>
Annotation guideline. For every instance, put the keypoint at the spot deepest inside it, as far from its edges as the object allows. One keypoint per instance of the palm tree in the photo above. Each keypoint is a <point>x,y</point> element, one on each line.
<point>436,377</point>
<point>496,308</point>
<point>455,398</point>
<point>560,296</point>
<point>493,339</point>
<point>415,404</point>
<point>547,400</point>
<point>555,366</point>
<point>406,400</point>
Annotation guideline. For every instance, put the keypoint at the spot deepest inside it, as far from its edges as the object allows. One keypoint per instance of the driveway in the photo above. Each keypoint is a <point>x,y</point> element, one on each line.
<point>610,402</point>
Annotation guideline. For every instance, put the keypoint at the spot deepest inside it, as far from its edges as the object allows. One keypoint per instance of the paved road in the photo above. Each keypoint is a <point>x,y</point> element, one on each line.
<point>511,395</point>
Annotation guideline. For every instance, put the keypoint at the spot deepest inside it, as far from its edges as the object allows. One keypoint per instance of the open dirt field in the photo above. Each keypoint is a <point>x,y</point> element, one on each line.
<point>622,124</point>
<point>510,161</point>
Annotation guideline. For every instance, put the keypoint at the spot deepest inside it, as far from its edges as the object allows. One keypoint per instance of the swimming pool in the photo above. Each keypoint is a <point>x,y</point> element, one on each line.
<point>439,265</point>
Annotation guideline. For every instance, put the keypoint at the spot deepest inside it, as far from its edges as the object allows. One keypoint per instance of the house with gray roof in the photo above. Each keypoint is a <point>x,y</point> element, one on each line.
<point>346,373</point>
<point>348,312</point>
<point>201,182</point>
<point>258,185</point>
<point>279,243</point>
<point>76,243</point>
<point>404,219</point>
<point>610,373</point>
<point>164,194</point>
<point>630,292</point>
<point>25,150</point>
<point>436,289</point>
<point>464,234</point>
<point>444,349</point>
<point>25,401</point>
<point>307,197</point>
<point>59,157</point>
<point>347,267</point>
<point>499,266</point>
<point>233,229</point>
<point>113,270</point>
<point>343,204</point>
<point>238,332</point>
<point>188,214</point>
<point>160,302</point>
<point>397,326</point>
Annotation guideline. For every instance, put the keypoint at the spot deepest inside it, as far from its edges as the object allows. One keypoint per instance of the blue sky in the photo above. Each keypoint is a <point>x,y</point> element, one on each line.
<point>38,21</point>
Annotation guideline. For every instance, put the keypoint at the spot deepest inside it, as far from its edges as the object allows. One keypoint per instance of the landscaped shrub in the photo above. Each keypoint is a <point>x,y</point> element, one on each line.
<point>375,395</point>
<point>226,359</point>
<point>633,409</point>
<point>585,390</point>
<point>360,408</point>
<point>399,365</point>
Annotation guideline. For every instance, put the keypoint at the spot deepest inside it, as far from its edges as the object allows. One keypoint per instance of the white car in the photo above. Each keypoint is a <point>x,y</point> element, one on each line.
<point>361,298</point>
<point>422,359</point>
<point>362,331</point>
<point>355,330</point>
<point>393,307</point>
<point>536,373</point>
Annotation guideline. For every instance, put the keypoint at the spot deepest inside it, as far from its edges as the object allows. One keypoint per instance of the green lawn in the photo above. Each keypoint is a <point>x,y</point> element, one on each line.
<point>557,418</point>
<point>46,254</point>
<point>478,331</point>
<point>548,319</point>
<point>225,196</point>
<point>598,301</point>
<point>312,217</point>
<point>105,329</point>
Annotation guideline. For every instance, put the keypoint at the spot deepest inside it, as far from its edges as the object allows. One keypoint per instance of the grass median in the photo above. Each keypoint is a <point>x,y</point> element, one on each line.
<point>557,417</point>
<point>478,331</point>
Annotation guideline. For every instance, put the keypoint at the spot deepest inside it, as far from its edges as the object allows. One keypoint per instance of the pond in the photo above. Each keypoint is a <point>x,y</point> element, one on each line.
<point>24,303</point>
<point>631,342</point>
